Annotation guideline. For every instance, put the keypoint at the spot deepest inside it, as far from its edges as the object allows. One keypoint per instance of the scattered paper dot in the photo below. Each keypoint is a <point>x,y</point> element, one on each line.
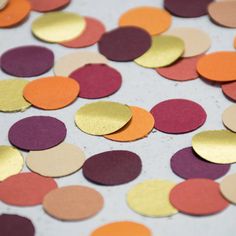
<point>229,89</point>
<point>227,188</point>
<point>3,4</point>
<point>46,6</point>
<point>229,118</point>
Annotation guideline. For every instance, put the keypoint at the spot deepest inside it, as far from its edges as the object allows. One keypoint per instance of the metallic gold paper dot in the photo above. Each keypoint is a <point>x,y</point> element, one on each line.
<point>11,98</point>
<point>164,51</point>
<point>57,27</point>
<point>11,162</point>
<point>217,146</point>
<point>151,198</point>
<point>100,118</point>
<point>228,118</point>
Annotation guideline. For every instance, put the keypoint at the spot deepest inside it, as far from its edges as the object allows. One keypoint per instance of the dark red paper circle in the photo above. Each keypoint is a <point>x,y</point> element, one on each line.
<point>37,133</point>
<point>15,225</point>
<point>124,43</point>
<point>188,165</point>
<point>178,116</point>
<point>112,167</point>
<point>97,80</point>
<point>187,8</point>
<point>27,61</point>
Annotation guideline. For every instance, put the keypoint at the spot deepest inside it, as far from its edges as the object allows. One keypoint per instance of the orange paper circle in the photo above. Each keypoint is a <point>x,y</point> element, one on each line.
<point>152,19</point>
<point>51,92</point>
<point>91,35</point>
<point>15,12</point>
<point>235,42</point>
<point>218,66</point>
<point>123,228</point>
<point>141,123</point>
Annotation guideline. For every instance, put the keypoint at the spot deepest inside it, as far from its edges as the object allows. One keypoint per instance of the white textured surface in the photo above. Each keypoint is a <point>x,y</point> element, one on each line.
<point>141,87</point>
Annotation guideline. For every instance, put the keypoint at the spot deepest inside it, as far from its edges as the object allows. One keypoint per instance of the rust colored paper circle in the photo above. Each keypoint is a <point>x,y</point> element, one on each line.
<point>124,43</point>
<point>73,203</point>
<point>15,12</point>
<point>223,13</point>
<point>91,35</point>
<point>141,123</point>
<point>25,189</point>
<point>218,66</point>
<point>229,89</point>
<point>183,70</point>
<point>51,93</point>
<point>46,6</point>
<point>97,80</point>
<point>122,228</point>
<point>37,133</point>
<point>12,225</point>
<point>178,116</point>
<point>112,167</point>
<point>227,188</point>
<point>187,8</point>
<point>152,19</point>
<point>198,197</point>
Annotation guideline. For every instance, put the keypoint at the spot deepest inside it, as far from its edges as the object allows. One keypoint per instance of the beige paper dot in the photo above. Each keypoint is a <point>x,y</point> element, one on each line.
<point>228,189</point>
<point>229,118</point>
<point>3,4</point>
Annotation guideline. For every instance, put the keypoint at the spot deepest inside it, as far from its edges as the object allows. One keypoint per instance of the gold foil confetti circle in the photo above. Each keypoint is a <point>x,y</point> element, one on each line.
<point>100,118</point>
<point>11,98</point>
<point>228,189</point>
<point>164,51</point>
<point>57,27</point>
<point>11,162</point>
<point>151,198</point>
<point>228,118</point>
<point>217,146</point>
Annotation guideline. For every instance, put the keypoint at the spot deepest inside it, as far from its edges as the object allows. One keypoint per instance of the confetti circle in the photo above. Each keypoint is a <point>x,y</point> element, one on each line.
<point>217,146</point>
<point>228,118</point>
<point>187,8</point>
<point>11,162</point>
<point>14,12</point>
<point>37,133</point>
<point>196,41</point>
<point>46,6</point>
<point>124,43</point>
<point>152,19</point>
<point>188,165</point>
<point>73,203</point>
<point>21,61</point>
<point>11,225</point>
<point>178,116</point>
<point>227,188</point>
<point>140,125</point>
<point>223,13</point>
<point>71,62</point>
<point>58,161</point>
<point>229,89</point>
<point>101,118</point>
<point>97,80</point>
<point>218,66</point>
<point>25,189</point>
<point>198,197</point>
<point>112,167</point>
<point>12,99</point>
<point>164,51</point>
<point>56,27</point>
<point>51,93</point>
<point>91,35</point>
<point>151,198</point>
<point>182,70</point>
<point>124,228</point>
<point>3,4</point>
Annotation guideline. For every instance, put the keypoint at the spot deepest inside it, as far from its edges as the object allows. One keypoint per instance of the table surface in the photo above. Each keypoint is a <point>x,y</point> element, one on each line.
<point>141,87</point>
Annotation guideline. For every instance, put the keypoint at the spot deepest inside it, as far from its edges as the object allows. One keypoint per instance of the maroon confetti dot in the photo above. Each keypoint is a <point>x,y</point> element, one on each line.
<point>177,116</point>
<point>124,43</point>
<point>112,167</point>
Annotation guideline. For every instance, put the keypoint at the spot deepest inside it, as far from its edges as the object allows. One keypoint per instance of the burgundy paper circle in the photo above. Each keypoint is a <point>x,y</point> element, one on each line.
<point>124,43</point>
<point>112,167</point>
<point>187,8</point>
<point>27,61</point>
<point>37,133</point>
<point>178,116</point>
<point>12,225</point>
<point>97,80</point>
<point>188,165</point>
